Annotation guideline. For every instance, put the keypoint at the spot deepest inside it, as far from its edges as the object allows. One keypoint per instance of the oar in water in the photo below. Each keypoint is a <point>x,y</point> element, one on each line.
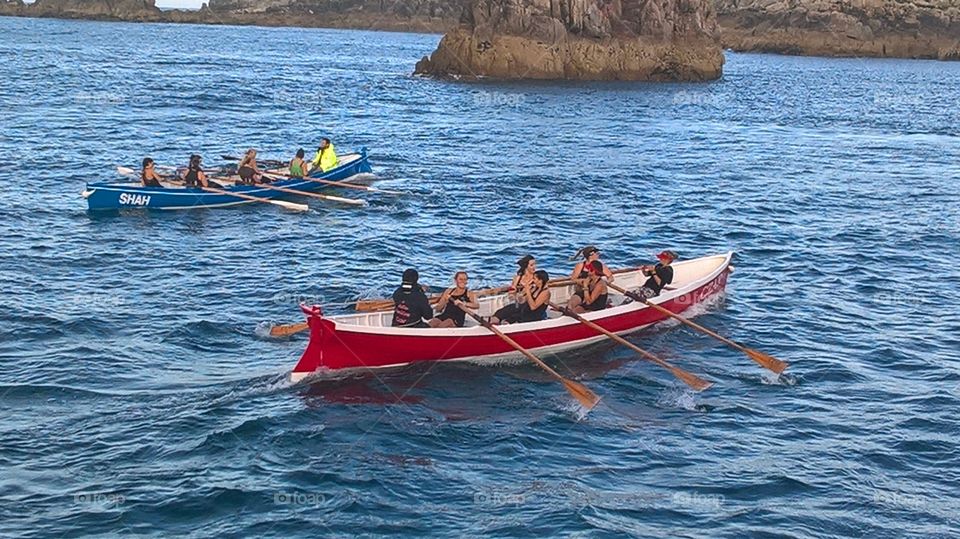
<point>330,198</point>
<point>125,171</point>
<point>282,203</point>
<point>588,399</point>
<point>341,183</point>
<point>764,360</point>
<point>692,380</point>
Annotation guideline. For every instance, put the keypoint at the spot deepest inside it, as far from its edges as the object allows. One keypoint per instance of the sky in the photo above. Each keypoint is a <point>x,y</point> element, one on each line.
<point>192,4</point>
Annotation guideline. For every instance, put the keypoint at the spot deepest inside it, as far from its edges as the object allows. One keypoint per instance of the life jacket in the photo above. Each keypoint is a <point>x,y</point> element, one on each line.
<point>325,159</point>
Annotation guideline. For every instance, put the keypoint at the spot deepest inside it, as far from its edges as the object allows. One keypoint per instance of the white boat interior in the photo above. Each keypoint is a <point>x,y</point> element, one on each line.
<point>687,275</point>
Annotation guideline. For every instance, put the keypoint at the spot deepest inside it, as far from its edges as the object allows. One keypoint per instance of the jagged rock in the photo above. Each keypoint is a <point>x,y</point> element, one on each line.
<point>12,7</point>
<point>125,10</point>
<point>581,39</point>
<point>895,28</point>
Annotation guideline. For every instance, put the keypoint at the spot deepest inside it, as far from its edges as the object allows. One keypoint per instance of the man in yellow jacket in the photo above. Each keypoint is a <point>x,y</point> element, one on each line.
<point>326,157</point>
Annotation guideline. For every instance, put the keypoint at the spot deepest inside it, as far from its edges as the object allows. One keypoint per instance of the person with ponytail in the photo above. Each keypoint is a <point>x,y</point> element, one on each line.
<point>526,271</point>
<point>149,176</point>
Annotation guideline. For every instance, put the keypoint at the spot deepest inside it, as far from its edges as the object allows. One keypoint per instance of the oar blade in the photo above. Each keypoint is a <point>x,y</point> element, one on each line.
<point>288,329</point>
<point>695,382</point>
<point>293,206</point>
<point>588,399</point>
<point>342,200</point>
<point>767,361</point>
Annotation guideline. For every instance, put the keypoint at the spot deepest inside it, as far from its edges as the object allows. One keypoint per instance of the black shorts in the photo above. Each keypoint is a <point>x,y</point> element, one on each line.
<point>457,320</point>
<point>508,313</point>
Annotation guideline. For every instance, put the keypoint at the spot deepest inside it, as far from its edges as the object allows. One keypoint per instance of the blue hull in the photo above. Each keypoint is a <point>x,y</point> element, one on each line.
<point>118,196</point>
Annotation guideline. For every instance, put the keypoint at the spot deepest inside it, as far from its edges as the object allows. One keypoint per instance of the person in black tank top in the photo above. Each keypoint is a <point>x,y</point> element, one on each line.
<point>510,312</point>
<point>194,177</point>
<point>538,299</point>
<point>594,290</point>
<point>581,273</point>
<point>451,302</point>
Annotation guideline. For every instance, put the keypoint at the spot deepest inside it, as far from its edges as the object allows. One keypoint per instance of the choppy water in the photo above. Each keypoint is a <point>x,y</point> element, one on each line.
<point>139,400</point>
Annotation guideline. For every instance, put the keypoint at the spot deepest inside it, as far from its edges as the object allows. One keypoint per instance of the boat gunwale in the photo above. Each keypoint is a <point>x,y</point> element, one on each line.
<point>550,323</point>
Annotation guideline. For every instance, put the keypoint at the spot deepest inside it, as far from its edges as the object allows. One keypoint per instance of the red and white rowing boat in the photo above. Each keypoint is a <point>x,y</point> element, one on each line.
<point>366,340</point>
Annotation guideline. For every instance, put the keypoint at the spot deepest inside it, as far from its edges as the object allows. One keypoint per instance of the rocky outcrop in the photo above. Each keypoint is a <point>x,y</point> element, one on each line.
<point>893,28</point>
<point>11,7</point>
<point>121,10</point>
<point>401,15</point>
<point>581,39</point>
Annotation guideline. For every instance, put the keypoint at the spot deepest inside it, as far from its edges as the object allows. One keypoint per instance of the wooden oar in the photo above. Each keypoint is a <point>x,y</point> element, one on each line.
<point>588,399</point>
<point>692,380</point>
<point>344,183</point>
<point>282,203</point>
<point>764,360</point>
<point>341,183</point>
<point>330,198</point>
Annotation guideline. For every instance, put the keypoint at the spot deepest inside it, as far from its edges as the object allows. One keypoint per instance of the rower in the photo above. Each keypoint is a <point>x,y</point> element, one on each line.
<point>326,157</point>
<point>452,302</point>
<point>411,306</point>
<point>194,177</point>
<point>247,169</point>
<point>534,302</point>
<point>594,292</point>
<point>149,176</point>
<point>660,275</point>
<point>581,273</point>
<point>298,167</point>
<point>527,267</point>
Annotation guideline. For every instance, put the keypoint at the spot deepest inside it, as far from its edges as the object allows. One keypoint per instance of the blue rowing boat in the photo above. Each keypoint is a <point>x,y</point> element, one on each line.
<point>118,196</point>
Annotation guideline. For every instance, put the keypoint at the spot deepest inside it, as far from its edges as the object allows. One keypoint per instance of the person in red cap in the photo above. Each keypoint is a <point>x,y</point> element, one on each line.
<point>660,275</point>
<point>593,292</point>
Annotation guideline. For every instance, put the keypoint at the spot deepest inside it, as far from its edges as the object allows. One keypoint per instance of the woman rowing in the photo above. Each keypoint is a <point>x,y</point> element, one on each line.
<point>527,266</point>
<point>452,302</point>
<point>581,274</point>
<point>194,176</point>
<point>298,167</point>
<point>149,176</point>
<point>593,292</point>
<point>247,169</point>
<point>533,307</point>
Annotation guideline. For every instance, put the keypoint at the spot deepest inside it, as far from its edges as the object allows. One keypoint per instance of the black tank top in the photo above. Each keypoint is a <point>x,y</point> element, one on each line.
<point>533,315</point>
<point>192,178</point>
<point>599,303</point>
<point>452,312</point>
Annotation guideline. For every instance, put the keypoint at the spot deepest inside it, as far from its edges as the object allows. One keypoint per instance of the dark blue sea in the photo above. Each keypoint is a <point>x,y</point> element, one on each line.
<point>140,396</point>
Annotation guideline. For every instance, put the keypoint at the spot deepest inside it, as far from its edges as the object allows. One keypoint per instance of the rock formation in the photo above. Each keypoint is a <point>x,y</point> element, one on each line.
<point>122,10</point>
<point>12,7</point>
<point>581,39</point>
<point>894,28</point>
